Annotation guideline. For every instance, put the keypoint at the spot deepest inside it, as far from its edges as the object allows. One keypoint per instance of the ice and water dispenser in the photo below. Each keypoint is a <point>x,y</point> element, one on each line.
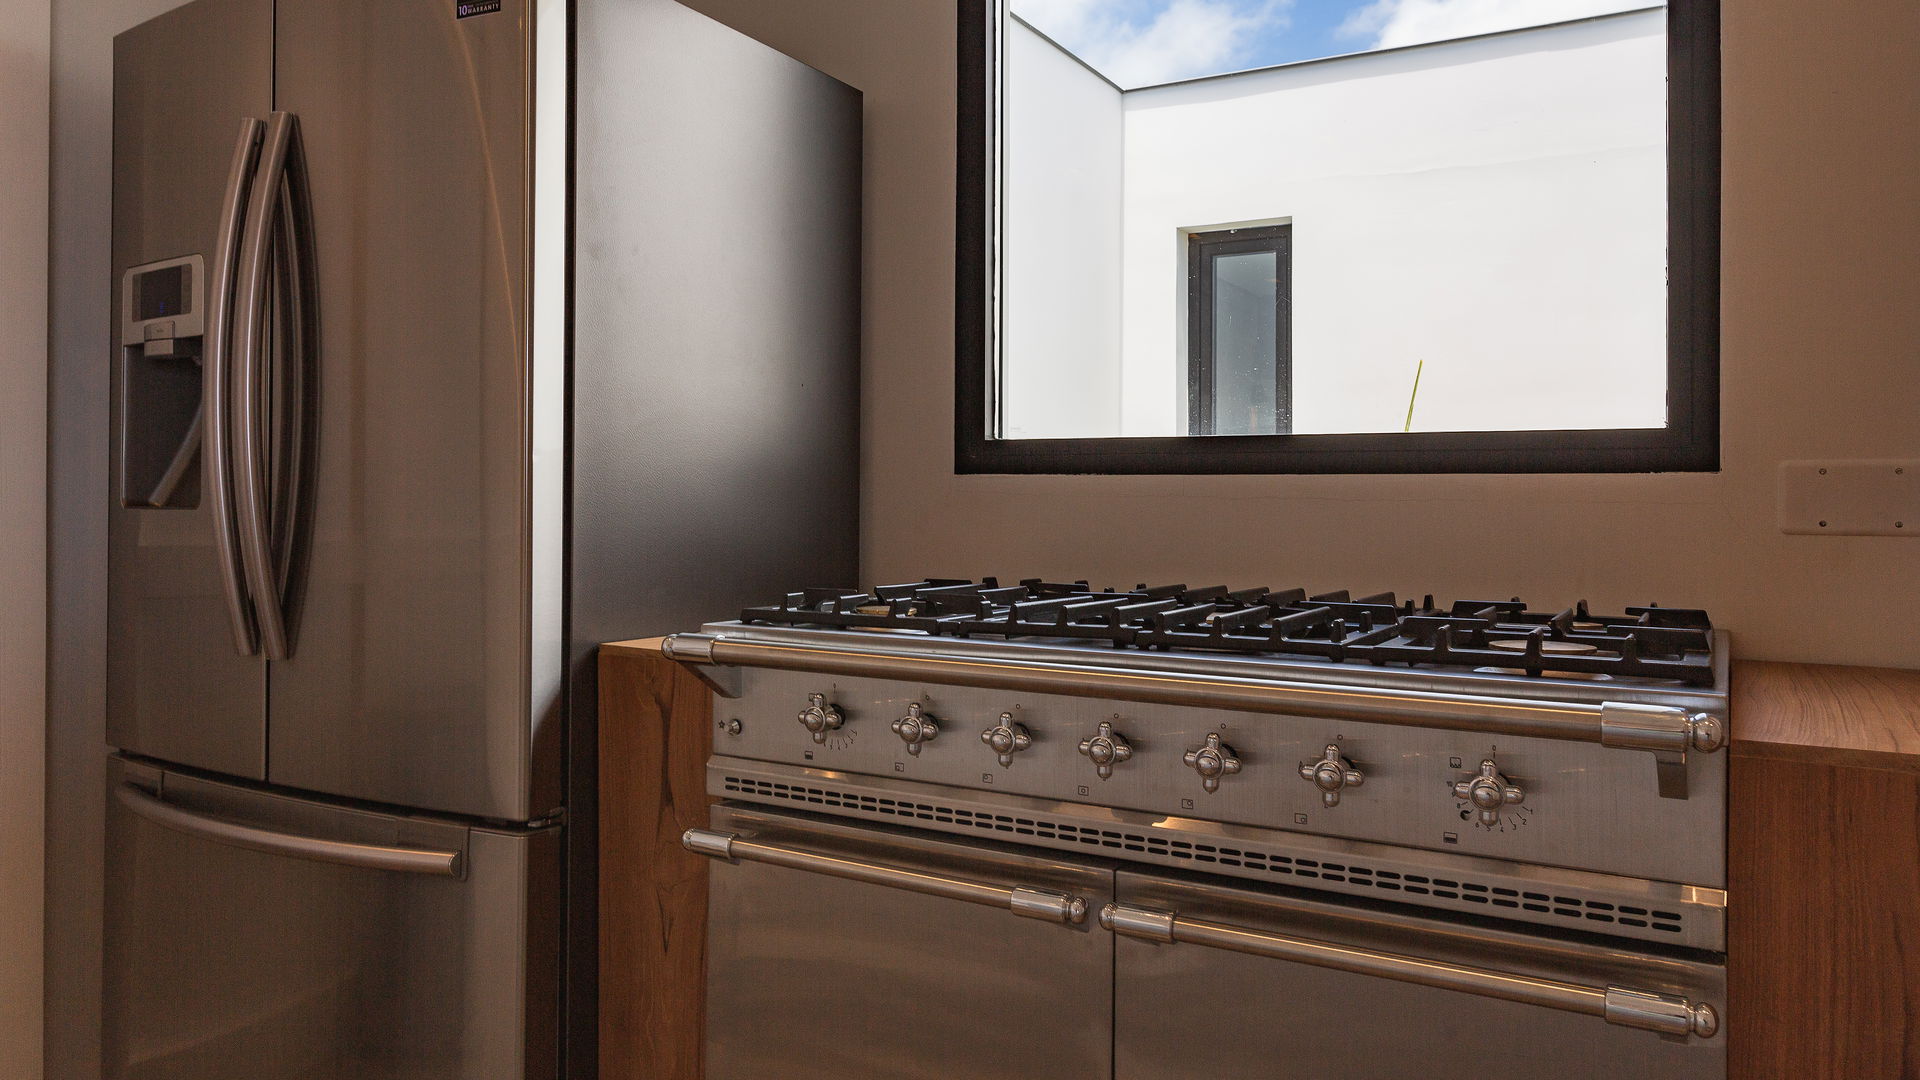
<point>162,332</point>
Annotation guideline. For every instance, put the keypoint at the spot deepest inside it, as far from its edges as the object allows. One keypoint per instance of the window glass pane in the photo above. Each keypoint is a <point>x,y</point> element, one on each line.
<point>1245,355</point>
<point>1476,193</point>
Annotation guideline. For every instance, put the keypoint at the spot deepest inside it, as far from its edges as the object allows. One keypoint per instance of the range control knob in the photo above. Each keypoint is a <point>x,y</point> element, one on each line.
<point>1331,773</point>
<point>1489,793</point>
<point>1213,760</point>
<point>1106,749</point>
<point>916,728</point>
<point>820,717</point>
<point>1007,739</point>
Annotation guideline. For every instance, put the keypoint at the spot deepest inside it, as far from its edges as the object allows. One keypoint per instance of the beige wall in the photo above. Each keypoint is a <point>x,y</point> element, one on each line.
<point>78,322</point>
<point>1822,357</point>
<point>23,433</point>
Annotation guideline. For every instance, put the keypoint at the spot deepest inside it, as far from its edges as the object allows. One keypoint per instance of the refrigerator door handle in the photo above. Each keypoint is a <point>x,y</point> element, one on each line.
<point>251,415</point>
<point>300,332</point>
<point>403,860</point>
<point>216,381</point>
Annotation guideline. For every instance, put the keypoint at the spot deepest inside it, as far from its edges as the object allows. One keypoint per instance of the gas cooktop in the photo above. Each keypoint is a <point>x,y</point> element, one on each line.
<point>1490,636</point>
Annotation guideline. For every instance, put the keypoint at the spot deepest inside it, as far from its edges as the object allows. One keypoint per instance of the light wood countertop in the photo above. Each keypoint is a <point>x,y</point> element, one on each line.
<point>648,646</point>
<point>1827,714</point>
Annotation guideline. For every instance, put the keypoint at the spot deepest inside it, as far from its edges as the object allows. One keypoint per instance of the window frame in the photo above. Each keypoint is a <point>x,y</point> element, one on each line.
<point>1689,443</point>
<point>1203,247</point>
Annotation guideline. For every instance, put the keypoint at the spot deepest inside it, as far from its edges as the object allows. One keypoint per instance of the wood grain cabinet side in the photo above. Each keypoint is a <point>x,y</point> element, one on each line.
<point>656,732</point>
<point>1823,868</point>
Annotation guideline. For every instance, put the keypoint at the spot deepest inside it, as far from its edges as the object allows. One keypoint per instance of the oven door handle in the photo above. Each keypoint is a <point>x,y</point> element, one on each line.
<point>1664,1013</point>
<point>1047,906</point>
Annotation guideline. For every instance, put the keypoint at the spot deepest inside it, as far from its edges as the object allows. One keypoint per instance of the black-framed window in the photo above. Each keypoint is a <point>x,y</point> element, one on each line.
<point>1688,441</point>
<point>1239,332</point>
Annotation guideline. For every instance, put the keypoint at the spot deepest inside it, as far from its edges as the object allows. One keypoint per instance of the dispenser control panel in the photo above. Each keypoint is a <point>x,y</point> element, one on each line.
<point>163,302</point>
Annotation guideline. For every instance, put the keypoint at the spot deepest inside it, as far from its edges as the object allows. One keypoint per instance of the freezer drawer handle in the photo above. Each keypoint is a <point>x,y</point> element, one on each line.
<point>368,856</point>
<point>1028,903</point>
<point>1664,1013</point>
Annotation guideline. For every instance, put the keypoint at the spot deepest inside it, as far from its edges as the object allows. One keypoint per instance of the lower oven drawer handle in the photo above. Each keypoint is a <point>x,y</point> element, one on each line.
<point>1664,1013</point>
<point>1020,900</point>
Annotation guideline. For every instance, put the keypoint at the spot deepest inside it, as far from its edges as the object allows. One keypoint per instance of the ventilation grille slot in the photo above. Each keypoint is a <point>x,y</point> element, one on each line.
<point>1237,861</point>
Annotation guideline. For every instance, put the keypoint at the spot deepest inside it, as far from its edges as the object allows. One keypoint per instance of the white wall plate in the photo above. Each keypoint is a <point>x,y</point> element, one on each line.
<point>1851,498</point>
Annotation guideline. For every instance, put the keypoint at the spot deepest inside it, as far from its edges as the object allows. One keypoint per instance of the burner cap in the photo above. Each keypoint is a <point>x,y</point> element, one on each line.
<point>1564,647</point>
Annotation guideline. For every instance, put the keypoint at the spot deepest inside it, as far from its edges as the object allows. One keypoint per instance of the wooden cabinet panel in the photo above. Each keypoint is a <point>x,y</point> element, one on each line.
<point>656,731</point>
<point>1824,922</point>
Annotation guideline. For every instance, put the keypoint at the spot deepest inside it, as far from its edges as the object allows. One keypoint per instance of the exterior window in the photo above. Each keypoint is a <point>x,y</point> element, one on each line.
<point>1239,377</point>
<point>1515,236</point>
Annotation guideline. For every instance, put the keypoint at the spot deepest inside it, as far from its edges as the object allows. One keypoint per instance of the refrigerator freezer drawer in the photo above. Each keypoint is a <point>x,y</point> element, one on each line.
<point>255,936</point>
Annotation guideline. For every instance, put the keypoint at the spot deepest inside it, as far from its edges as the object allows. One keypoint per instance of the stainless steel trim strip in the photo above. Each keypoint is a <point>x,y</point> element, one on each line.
<point>1020,900</point>
<point>549,293</point>
<point>367,856</point>
<point>214,385</point>
<point>249,327</point>
<point>1663,1013</point>
<point>1659,728</point>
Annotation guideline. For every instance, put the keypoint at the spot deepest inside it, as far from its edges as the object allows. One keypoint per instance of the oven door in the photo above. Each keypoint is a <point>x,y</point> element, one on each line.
<point>839,950</point>
<point>1219,980</point>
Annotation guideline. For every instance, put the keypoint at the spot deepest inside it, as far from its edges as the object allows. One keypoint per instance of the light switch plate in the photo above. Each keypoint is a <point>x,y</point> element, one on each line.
<point>1850,498</point>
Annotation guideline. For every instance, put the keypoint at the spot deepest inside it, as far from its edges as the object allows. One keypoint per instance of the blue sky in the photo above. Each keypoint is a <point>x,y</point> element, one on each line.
<point>1144,42</point>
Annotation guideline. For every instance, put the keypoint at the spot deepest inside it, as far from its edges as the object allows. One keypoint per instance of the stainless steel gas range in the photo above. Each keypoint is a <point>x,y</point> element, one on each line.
<point>1038,830</point>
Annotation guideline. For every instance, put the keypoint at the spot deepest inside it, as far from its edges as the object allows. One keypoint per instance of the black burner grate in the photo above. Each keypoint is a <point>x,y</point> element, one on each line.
<point>1645,642</point>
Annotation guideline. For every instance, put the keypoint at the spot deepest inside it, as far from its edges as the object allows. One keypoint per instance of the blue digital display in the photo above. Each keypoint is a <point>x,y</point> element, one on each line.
<point>161,293</point>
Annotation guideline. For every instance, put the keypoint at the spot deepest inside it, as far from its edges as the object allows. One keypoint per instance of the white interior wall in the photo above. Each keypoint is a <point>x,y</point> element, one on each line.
<point>1495,207</point>
<point>1062,244</point>
<point>24,44</point>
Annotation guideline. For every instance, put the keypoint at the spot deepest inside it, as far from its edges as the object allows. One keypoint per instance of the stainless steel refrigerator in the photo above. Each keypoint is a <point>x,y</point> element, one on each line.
<point>450,338</point>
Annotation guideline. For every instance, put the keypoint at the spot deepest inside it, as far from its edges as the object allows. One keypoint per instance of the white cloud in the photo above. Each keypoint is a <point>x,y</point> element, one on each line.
<point>1392,23</point>
<point>1146,42</point>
